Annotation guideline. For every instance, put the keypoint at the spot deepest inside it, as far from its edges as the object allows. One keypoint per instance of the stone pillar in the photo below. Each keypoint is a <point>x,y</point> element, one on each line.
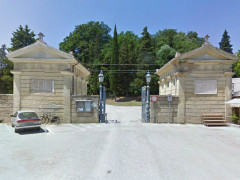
<point>84,87</point>
<point>75,84</point>
<point>170,86</point>
<point>78,85</point>
<point>181,114</point>
<point>16,90</point>
<point>67,79</point>
<point>81,86</point>
<point>159,88</point>
<point>228,95</point>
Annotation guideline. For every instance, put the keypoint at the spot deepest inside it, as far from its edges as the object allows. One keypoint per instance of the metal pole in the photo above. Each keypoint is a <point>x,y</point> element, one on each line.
<point>168,112</point>
<point>100,106</point>
<point>147,104</point>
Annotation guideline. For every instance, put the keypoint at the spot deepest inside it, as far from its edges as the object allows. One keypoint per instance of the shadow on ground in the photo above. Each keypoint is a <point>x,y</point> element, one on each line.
<point>32,131</point>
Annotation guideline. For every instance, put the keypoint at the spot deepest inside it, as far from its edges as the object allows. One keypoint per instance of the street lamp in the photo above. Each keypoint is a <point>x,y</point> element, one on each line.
<point>148,79</point>
<point>101,78</point>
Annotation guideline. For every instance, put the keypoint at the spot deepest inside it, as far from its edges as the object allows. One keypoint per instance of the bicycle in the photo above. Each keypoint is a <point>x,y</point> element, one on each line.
<point>44,118</point>
<point>48,118</point>
<point>52,119</point>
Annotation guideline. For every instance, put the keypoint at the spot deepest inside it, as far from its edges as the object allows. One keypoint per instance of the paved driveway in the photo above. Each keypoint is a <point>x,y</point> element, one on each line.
<point>126,150</point>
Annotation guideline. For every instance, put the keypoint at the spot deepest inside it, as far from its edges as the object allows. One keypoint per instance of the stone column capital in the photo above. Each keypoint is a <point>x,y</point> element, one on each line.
<point>16,72</point>
<point>229,73</point>
<point>181,74</point>
<point>67,73</point>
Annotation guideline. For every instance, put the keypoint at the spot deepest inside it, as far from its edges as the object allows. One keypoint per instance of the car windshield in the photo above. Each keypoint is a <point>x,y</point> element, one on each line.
<point>27,115</point>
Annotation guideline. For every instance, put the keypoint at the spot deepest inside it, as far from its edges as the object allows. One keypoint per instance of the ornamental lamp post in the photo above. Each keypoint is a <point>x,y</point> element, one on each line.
<point>148,79</point>
<point>101,78</point>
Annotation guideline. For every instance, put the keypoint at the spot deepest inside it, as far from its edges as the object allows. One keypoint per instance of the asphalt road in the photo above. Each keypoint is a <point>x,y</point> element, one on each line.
<point>125,150</point>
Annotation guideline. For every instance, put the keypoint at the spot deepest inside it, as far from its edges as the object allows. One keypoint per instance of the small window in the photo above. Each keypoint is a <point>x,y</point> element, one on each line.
<point>42,86</point>
<point>84,106</point>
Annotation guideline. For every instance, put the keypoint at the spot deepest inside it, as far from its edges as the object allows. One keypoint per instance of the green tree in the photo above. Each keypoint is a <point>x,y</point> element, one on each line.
<point>6,77</point>
<point>114,60</point>
<point>164,54</point>
<point>236,66</point>
<point>22,37</point>
<point>179,41</point>
<point>225,42</point>
<point>146,48</point>
<point>87,41</point>
<point>90,44</point>
<point>128,44</point>
<point>145,56</point>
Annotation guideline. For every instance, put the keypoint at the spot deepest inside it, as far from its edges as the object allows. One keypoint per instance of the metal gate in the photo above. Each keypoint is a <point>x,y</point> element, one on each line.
<point>144,98</point>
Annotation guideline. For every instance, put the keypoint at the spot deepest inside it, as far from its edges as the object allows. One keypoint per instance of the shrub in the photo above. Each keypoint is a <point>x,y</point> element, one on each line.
<point>235,118</point>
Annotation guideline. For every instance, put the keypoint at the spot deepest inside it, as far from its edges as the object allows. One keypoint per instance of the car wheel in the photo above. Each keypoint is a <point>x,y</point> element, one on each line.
<point>16,131</point>
<point>12,125</point>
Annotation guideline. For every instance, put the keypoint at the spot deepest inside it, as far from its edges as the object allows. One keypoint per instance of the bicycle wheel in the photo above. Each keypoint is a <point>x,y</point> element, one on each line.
<point>56,120</point>
<point>43,120</point>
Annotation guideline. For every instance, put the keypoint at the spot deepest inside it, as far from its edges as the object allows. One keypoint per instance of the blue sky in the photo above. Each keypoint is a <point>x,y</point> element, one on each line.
<point>57,18</point>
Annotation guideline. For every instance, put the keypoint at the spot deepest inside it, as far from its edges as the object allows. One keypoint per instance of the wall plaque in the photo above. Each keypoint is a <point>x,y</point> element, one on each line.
<point>205,86</point>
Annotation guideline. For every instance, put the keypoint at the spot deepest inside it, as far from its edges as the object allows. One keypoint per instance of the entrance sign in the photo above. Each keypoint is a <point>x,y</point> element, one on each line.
<point>154,98</point>
<point>169,98</point>
<point>205,86</point>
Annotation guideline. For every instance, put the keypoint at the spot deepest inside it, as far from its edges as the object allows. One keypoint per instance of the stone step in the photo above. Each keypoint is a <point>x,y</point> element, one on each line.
<point>214,120</point>
<point>215,124</point>
<point>212,117</point>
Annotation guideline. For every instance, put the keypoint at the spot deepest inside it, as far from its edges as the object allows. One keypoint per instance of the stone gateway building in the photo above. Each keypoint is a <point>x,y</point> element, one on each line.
<point>49,80</point>
<point>200,82</point>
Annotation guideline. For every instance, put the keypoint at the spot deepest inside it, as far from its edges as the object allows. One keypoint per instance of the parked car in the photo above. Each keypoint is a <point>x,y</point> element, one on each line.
<point>25,120</point>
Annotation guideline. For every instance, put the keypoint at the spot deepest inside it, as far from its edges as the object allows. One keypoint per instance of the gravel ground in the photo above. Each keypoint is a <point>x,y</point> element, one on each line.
<point>125,150</point>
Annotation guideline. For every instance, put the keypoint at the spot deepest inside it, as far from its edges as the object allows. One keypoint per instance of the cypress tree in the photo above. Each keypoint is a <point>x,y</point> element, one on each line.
<point>225,42</point>
<point>114,60</point>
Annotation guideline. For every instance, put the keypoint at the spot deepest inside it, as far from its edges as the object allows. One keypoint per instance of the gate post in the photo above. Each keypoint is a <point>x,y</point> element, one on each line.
<point>143,97</point>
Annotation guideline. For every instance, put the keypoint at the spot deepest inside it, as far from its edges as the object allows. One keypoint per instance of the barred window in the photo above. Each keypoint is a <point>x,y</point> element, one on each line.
<point>83,105</point>
<point>42,86</point>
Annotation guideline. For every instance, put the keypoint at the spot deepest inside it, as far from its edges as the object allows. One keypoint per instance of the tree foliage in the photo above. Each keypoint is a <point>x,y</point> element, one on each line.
<point>179,41</point>
<point>225,42</point>
<point>114,60</point>
<point>6,77</point>
<point>87,41</point>
<point>22,37</point>
<point>236,66</point>
<point>128,46</point>
<point>164,54</point>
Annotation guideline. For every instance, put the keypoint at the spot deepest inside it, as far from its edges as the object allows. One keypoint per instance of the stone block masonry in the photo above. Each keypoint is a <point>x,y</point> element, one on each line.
<point>84,116</point>
<point>6,107</point>
<point>159,111</point>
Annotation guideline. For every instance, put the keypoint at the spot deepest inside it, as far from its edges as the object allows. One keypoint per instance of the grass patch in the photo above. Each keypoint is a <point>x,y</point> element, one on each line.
<point>125,101</point>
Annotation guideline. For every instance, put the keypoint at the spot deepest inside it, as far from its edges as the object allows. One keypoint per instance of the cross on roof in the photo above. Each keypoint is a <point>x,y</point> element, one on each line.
<point>41,35</point>
<point>207,37</point>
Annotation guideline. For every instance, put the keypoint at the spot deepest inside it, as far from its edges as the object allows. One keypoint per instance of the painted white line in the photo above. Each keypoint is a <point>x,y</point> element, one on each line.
<point>84,125</point>
<point>49,131</point>
<point>77,127</point>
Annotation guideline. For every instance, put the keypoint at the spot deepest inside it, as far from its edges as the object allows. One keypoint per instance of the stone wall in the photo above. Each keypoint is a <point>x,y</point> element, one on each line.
<point>42,102</point>
<point>159,111</point>
<point>200,104</point>
<point>6,107</point>
<point>84,117</point>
